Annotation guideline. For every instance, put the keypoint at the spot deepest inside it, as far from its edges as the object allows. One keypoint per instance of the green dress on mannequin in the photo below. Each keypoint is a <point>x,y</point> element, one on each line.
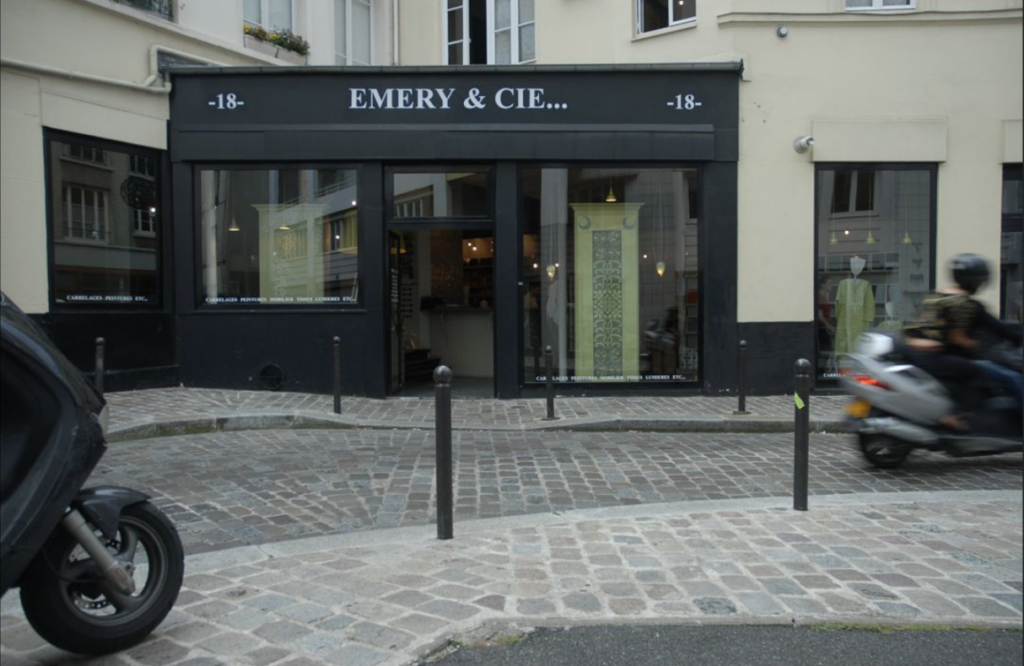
<point>855,308</point>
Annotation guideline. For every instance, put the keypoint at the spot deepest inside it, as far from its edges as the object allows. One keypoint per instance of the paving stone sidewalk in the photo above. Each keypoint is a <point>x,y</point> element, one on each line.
<point>387,598</point>
<point>137,414</point>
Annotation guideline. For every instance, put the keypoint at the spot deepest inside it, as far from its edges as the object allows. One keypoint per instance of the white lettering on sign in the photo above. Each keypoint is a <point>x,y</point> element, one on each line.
<point>426,99</point>
<point>400,98</point>
<point>520,98</point>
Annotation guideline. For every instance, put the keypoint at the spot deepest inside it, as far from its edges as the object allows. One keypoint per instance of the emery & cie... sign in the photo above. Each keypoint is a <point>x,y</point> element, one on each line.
<point>700,100</point>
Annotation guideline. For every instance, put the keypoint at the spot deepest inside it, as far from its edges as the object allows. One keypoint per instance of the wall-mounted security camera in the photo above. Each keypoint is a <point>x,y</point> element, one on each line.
<point>803,143</point>
<point>782,31</point>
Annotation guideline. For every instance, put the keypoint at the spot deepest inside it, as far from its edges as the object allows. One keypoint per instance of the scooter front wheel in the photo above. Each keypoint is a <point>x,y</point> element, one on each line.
<point>883,451</point>
<point>70,604</point>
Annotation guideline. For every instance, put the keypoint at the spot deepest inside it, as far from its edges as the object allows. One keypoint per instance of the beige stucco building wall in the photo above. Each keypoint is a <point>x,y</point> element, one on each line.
<point>88,66</point>
<point>939,84</point>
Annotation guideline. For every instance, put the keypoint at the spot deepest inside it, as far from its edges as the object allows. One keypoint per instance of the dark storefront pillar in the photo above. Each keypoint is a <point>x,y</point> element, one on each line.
<point>719,241</point>
<point>508,239</point>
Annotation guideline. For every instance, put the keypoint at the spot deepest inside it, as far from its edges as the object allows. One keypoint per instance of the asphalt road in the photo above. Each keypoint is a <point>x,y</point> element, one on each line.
<point>745,646</point>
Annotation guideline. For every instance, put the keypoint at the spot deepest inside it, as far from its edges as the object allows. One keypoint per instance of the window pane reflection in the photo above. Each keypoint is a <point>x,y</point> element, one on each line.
<point>279,237</point>
<point>106,212</point>
<point>441,194</point>
<point>611,274</point>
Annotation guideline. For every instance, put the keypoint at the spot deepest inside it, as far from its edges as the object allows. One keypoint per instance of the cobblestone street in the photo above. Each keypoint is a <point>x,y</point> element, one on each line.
<point>228,489</point>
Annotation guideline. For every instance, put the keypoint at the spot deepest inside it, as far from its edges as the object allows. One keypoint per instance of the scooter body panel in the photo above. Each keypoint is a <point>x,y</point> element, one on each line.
<point>908,404</point>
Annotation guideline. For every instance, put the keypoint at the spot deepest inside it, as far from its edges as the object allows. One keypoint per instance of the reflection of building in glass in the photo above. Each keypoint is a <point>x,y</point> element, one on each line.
<point>280,237</point>
<point>105,210</point>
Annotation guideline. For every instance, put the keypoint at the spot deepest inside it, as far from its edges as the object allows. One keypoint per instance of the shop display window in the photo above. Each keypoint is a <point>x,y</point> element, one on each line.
<point>279,237</point>
<point>611,274</point>
<point>875,253</point>
<point>105,213</point>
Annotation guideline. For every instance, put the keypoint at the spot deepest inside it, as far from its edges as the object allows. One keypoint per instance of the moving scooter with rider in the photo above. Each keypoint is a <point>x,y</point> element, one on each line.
<point>947,384</point>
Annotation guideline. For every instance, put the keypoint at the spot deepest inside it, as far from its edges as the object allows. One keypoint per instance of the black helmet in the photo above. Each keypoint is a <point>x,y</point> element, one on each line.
<point>970,272</point>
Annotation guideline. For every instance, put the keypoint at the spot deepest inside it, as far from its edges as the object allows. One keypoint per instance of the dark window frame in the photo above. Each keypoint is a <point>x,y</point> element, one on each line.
<point>162,236</point>
<point>1012,222</point>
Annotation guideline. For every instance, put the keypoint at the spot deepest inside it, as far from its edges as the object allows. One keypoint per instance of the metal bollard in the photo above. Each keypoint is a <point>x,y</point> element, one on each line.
<point>741,380</point>
<point>802,398</point>
<point>549,354</point>
<point>443,420</point>
<point>101,369</point>
<point>337,375</point>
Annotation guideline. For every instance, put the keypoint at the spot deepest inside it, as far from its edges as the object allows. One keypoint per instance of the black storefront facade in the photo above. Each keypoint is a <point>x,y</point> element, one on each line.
<point>466,216</point>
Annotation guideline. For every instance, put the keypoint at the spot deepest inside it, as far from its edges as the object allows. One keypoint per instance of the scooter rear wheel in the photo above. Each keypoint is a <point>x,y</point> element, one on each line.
<point>884,452</point>
<point>71,606</point>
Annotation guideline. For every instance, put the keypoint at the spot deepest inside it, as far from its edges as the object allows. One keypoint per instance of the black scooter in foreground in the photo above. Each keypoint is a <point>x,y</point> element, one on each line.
<point>98,568</point>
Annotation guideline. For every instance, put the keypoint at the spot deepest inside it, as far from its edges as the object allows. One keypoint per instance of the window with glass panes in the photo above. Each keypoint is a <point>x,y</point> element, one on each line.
<point>880,4</point>
<point>658,14</point>
<point>353,32</point>
<point>270,14</point>
<point>495,32</point>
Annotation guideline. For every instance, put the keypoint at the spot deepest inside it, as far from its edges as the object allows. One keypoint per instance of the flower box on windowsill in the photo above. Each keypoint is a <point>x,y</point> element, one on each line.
<point>274,51</point>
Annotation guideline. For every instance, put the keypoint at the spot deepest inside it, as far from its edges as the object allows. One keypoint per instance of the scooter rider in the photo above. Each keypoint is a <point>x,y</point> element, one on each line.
<point>947,341</point>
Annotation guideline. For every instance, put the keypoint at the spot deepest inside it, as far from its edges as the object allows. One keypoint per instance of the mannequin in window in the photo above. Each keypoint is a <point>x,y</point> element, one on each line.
<point>855,308</point>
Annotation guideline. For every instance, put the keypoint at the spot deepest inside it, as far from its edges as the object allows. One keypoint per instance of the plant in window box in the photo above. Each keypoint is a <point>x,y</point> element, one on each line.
<point>281,38</point>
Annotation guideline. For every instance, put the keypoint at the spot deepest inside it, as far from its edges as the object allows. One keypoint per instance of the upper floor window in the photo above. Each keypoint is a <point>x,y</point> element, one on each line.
<point>880,4</point>
<point>353,32</point>
<point>514,32</point>
<point>495,32</point>
<point>161,8</point>
<point>270,14</point>
<point>657,14</point>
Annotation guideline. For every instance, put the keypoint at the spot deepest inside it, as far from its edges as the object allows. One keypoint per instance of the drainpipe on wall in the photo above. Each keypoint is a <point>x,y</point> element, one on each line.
<point>81,76</point>
<point>394,33</point>
<point>146,86</point>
